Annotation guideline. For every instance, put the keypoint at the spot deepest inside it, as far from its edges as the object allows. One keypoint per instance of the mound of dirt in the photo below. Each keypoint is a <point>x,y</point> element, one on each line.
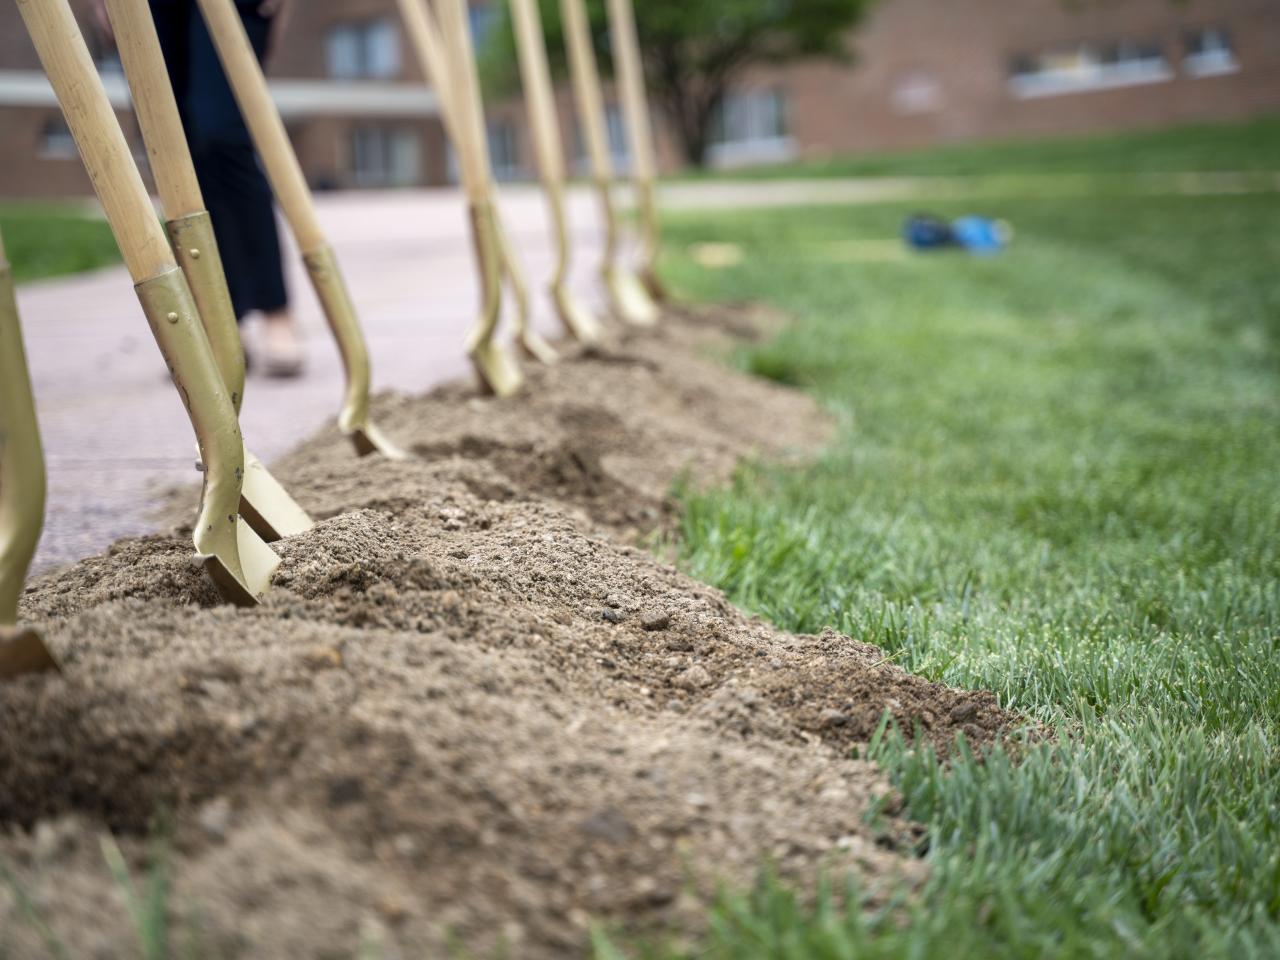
<point>602,435</point>
<point>469,711</point>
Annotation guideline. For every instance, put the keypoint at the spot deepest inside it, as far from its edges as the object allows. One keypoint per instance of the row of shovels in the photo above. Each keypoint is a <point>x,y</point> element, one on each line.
<point>178,276</point>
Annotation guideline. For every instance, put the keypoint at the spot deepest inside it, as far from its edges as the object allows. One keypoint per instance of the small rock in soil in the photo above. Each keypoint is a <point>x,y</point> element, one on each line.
<point>834,718</point>
<point>609,825</point>
<point>215,817</point>
<point>656,621</point>
<point>695,678</point>
<point>345,792</point>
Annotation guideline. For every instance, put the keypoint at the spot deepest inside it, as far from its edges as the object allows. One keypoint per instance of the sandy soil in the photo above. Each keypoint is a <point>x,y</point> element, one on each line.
<point>471,710</point>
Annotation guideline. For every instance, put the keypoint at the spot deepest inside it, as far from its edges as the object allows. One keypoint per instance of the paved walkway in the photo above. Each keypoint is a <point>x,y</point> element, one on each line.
<point>114,431</point>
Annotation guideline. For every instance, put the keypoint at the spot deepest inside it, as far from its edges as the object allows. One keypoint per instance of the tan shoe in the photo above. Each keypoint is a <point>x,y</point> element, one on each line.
<point>282,353</point>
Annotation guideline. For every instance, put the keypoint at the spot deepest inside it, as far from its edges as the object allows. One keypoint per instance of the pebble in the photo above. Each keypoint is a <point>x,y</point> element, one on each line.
<point>394,910</point>
<point>695,678</point>
<point>613,616</point>
<point>834,718</point>
<point>609,824</point>
<point>345,791</point>
<point>52,838</point>
<point>656,621</point>
<point>323,658</point>
<point>214,817</point>
<point>405,846</point>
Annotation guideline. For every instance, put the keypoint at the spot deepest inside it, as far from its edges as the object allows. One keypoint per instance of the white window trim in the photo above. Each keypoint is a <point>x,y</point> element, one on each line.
<point>1211,63</point>
<point>1053,83</point>
<point>750,153</point>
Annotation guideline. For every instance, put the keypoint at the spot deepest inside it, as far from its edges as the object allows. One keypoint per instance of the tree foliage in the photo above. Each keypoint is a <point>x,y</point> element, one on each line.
<point>695,50</point>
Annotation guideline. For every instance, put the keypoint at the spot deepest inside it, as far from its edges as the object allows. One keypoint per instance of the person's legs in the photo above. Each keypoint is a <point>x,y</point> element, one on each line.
<point>173,25</point>
<point>237,193</point>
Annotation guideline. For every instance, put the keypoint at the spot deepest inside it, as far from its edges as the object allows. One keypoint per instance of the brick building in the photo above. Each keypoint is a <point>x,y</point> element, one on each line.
<point>927,71</point>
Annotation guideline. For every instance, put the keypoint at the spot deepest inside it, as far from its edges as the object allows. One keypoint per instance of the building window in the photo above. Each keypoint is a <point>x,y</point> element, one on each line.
<point>1089,66</point>
<point>752,116</point>
<point>616,126</point>
<point>750,127</point>
<point>504,150</point>
<point>364,51</point>
<point>483,20</point>
<point>386,157</point>
<point>56,142</point>
<point>1210,53</point>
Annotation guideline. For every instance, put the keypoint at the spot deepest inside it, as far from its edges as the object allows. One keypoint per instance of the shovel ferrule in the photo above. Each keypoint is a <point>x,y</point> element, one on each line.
<point>264,503</point>
<point>484,236</point>
<point>201,263</point>
<point>627,294</point>
<point>22,490</point>
<point>651,238</point>
<point>495,367</point>
<point>340,312</point>
<point>22,478</point>
<point>530,341</point>
<point>575,317</point>
<point>612,239</point>
<point>556,205</point>
<point>220,535</point>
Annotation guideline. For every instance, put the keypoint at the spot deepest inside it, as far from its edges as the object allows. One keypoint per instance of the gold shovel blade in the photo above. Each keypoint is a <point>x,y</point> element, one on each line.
<point>630,298</point>
<point>258,563</point>
<point>368,440</point>
<point>22,651</point>
<point>577,319</point>
<point>533,346</point>
<point>267,507</point>
<point>497,368</point>
<point>653,284</point>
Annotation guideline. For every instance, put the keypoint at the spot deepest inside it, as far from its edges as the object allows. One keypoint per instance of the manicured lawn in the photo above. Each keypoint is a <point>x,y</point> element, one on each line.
<point>48,240</point>
<point>1251,145</point>
<point>1059,479</point>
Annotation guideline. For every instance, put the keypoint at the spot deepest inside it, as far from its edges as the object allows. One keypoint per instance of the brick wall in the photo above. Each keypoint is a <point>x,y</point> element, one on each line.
<point>965,47</point>
<point>927,72</point>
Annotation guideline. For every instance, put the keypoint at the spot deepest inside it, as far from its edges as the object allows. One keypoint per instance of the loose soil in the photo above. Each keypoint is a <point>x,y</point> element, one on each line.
<point>471,711</point>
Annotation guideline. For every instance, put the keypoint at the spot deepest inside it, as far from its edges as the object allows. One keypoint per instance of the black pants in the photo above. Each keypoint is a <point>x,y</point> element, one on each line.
<point>234,187</point>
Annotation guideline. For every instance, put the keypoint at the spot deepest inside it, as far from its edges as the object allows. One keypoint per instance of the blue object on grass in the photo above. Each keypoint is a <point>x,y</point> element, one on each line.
<point>924,232</point>
<point>980,235</point>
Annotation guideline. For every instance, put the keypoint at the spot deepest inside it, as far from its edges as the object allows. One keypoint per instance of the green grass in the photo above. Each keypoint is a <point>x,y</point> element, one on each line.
<point>1239,146</point>
<point>1059,479</point>
<point>51,239</point>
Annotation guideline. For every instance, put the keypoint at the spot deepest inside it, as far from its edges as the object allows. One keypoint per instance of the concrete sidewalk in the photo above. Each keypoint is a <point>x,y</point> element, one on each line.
<point>114,430</point>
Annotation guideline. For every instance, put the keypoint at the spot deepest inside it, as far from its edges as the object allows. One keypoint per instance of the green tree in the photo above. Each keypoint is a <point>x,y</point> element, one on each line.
<point>695,50</point>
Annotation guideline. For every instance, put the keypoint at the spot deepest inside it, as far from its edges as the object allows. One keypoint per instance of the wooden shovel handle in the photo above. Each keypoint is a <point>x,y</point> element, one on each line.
<point>531,47</point>
<point>263,119</point>
<point>97,133</point>
<point>470,139</point>
<point>630,74</point>
<point>156,107</point>
<point>424,36</point>
<point>586,87</point>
